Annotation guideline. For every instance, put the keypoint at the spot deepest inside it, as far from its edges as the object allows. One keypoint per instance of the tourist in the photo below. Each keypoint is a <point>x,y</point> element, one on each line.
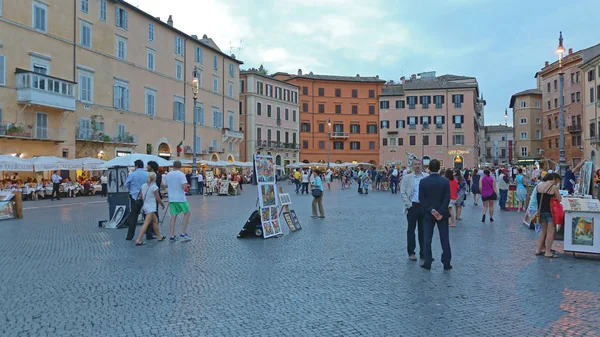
<point>104,183</point>
<point>453,183</point>
<point>201,183</point>
<point>153,167</point>
<point>317,192</point>
<point>134,183</point>
<point>365,181</point>
<point>487,186</point>
<point>328,178</point>
<point>521,189</point>
<point>56,180</point>
<point>305,181</point>
<point>475,186</point>
<point>409,192</point>
<point>344,180</point>
<point>394,181</point>
<point>547,190</point>
<point>177,184</point>
<point>434,194</point>
<point>150,196</point>
<point>462,194</point>
<point>297,180</point>
<point>503,188</point>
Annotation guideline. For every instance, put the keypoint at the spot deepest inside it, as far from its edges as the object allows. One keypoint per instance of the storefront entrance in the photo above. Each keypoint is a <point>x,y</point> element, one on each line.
<point>458,162</point>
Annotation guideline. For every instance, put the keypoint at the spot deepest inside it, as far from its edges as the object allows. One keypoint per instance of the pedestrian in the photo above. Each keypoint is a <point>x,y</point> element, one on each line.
<point>328,178</point>
<point>409,193</point>
<point>453,183</point>
<point>104,183</point>
<point>177,184</point>
<point>569,179</point>
<point>317,192</point>
<point>503,189</point>
<point>150,195</point>
<point>56,180</point>
<point>152,166</point>
<point>344,182</point>
<point>547,190</point>
<point>462,194</point>
<point>521,188</point>
<point>201,183</point>
<point>488,188</point>
<point>434,192</point>
<point>394,181</point>
<point>134,183</point>
<point>297,177</point>
<point>365,181</point>
<point>475,186</point>
<point>305,181</point>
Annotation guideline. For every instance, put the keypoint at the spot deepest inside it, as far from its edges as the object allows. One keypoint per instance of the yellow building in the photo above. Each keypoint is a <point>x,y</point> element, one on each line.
<point>102,78</point>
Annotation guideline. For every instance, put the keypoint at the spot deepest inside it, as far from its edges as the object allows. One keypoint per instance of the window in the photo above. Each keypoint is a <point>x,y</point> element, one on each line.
<point>121,19</point>
<point>400,141</point>
<point>524,151</point>
<point>371,93</point>
<point>503,153</point>
<point>338,145</point>
<point>355,109</point>
<point>372,128</point>
<point>425,140</point>
<point>287,114</point>
<point>385,124</point>
<point>102,15</point>
<point>305,107</point>
<point>321,127</point>
<point>549,107</point>
<point>354,128</point>
<point>538,104</point>
<point>384,105</point>
<point>304,90</point>
<point>41,125</point>
<point>412,102</point>
<point>269,110</point>
<point>556,102</point>
<point>439,140</point>
<point>523,135</point>
<point>150,56</point>
<point>523,120</point>
<point>305,144</point>
<point>214,144</point>
<point>338,109</point>
<point>258,134</point>
<point>179,70</point>
<point>412,140</point>
<point>321,144</point>
<point>371,145</point>
<point>199,114</point>
<point>217,118</point>
<point>591,75</point>
<point>40,12</point>
<point>548,86</point>
<point>424,101</point>
<point>230,120</point>
<point>85,34</point>
<point>400,124</point>
<point>179,46</point>
<point>277,92</point>
<point>439,121</point>
<point>412,122</point>
<point>121,48</point>
<point>216,63</point>
<point>321,108</point>
<point>458,100</point>
<point>591,95</point>
<point>151,33</point>
<point>523,104</point>
<point>549,143</point>
<point>293,115</point>
<point>305,127</point>
<point>573,97</point>
<point>354,93</point>
<point>2,69</point>
<point>86,87</point>
<point>458,120</point>
<point>321,91</point>
<point>230,91</point>
<point>150,102</point>
<point>392,141</point>
<point>439,101</point>
<point>578,95</point>
<point>400,104</point>
<point>121,95</point>
<point>577,77</point>
<point>178,109</point>
<point>215,84</point>
<point>85,129</point>
<point>338,92</point>
<point>355,145</point>
<point>198,144</point>
<point>458,140</point>
<point>556,122</point>
<point>259,87</point>
<point>572,77</point>
<point>555,85</point>
<point>371,109</point>
<point>231,70</point>
<point>279,113</point>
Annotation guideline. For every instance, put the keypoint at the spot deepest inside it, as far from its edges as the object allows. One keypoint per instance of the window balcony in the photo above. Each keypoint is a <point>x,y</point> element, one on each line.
<point>339,135</point>
<point>574,128</point>
<point>31,132</point>
<point>595,140</point>
<point>101,137</point>
<point>44,90</point>
<point>232,136</point>
<point>412,126</point>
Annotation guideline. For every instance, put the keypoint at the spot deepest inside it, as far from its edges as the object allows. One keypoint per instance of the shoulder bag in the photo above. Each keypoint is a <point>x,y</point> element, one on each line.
<point>536,217</point>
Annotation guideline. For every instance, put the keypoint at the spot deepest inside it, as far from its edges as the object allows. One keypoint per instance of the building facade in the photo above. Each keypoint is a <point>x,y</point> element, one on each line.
<point>339,117</point>
<point>573,109</point>
<point>528,144</point>
<point>591,103</point>
<point>498,140</point>
<point>432,118</point>
<point>103,78</point>
<point>269,118</point>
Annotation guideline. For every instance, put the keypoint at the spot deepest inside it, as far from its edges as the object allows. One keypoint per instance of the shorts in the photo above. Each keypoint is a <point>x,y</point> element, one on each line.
<point>546,218</point>
<point>452,203</point>
<point>488,198</point>
<point>179,207</point>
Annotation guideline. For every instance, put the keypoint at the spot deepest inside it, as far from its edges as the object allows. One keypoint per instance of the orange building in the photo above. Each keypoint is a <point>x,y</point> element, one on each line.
<point>344,107</point>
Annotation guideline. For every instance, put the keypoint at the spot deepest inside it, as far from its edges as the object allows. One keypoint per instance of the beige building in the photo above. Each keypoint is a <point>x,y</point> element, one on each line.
<point>269,117</point>
<point>498,139</point>
<point>591,103</point>
<point>102,78</point>
<point>527,120</point>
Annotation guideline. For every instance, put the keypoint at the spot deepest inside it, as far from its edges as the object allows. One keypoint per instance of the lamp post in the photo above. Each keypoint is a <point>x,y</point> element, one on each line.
<point>194,187</point>
<point>562,160</point>
<point>328,142</point>
<point>506,136</point>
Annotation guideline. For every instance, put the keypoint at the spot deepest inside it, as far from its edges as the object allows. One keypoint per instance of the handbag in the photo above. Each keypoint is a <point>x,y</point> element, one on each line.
<point>536,217</point>
<point>139,203</point>
<point>558,212</point>
<point>317,193</point>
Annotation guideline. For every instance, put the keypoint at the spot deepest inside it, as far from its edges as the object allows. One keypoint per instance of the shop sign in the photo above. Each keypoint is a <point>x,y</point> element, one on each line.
<point>458,152</point>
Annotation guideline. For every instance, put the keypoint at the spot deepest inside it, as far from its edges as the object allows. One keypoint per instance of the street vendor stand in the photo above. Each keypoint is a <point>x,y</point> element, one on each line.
<point>581,217</point>
<point>512,202</point>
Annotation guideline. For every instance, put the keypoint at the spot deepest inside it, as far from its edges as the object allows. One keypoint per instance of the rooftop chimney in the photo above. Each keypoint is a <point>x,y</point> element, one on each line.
<point>413,77</point>
<point>195,37</point>
<point>570,51</point>
<point>402,79</point>
<point>204,37</point>
<point>357,75</point>
<point>377,76</point>
<point>158,18</point>
<point>299,72</point>
<point>546,63</point>
<point>170,20</point>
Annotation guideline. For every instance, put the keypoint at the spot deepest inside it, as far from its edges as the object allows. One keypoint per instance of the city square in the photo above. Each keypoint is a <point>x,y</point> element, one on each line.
<point>345,275</point>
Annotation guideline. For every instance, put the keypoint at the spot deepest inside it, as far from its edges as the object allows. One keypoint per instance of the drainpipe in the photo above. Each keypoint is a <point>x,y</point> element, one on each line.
<point>447,123</point>
<point>185,87</point>
<point>74,40</point>
<point>223,97</point>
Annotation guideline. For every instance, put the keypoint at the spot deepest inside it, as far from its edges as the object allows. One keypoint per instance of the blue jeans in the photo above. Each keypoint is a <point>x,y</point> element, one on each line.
<point>503,197</point>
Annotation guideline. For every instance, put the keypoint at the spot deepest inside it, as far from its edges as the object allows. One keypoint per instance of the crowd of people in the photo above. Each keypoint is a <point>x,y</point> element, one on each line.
<point>53,188</point>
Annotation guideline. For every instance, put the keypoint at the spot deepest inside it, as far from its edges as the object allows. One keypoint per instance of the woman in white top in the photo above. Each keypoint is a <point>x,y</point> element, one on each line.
<point>149,193</point>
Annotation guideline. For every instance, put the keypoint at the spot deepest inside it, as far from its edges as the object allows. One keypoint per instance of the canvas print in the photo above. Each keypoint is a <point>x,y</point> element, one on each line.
<point>575,204</point>
<point>265,169</point>
<point>586,176</point>
<point>123,172</point>
<point>274,213</point>
<point>593,206</point>
<point>295,220</point>
<point>288,220</point>
<point>583,231</point>
<point>265,214</point>
<point>267,195</point>
<point>117,217</point>
<point>267,229</point>
<point>276,227</point>
<point>7,210</point>
<point>284,199</point>
<point>112,181</point>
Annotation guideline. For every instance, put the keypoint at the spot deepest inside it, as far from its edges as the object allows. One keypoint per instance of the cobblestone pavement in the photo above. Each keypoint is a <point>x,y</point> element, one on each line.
<point>346,275</point>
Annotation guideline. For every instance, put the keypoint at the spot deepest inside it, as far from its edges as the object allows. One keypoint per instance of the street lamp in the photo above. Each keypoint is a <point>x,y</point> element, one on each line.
<point>506,136</point>
<point>562,160</point>
<point>328,142</point>
<point>194,187</point>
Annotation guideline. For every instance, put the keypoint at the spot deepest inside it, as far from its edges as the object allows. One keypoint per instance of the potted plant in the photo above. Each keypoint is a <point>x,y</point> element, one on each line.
<point>16,130</point>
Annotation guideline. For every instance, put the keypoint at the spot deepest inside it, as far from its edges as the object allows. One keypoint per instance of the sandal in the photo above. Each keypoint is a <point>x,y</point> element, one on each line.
<point>553,256</point>
<point>162,238</point>
<point>540,253</point>
<point>140,243</point>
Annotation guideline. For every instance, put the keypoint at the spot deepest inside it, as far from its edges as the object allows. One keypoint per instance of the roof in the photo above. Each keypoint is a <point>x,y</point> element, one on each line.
<point>205,41</point>
<point>257,73</point>
<point>583,55</point>
<point>356,78</point>
<point>392,90</point>
<point>523,93</point>
<point>497,128</point>
<point>441,82</point>
<point>590,55</point>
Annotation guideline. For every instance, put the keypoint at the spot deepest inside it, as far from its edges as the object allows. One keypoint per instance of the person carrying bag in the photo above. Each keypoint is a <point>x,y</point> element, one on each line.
<point>317,193</point>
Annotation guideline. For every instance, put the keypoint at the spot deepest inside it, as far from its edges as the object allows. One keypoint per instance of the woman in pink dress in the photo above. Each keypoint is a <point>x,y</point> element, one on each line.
<point>489,194</point>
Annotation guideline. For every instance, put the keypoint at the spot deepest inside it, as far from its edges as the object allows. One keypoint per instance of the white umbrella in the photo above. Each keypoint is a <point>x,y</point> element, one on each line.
<point>90,164</point>
<point>11,163</point>
<point>293,165</point>
<point>366,164</point>
<point>129,160</point>
<point>219,163</point>
<point>48,163</point>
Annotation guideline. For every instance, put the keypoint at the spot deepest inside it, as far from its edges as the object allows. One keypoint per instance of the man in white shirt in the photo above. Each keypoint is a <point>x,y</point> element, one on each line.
<point>409,192</point>
<point>200,183</point>
<point>177,184</point>
<point>56,180</point>
<point>305,181</point>
<point>104,183</point>
<point>394,181</point>
<point>503,188</point>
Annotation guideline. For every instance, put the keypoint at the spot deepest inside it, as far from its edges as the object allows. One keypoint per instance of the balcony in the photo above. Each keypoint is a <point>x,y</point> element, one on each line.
<point>412,126</point>
<point>574,128</point>
<point>595,140</point>
<point>232,136</point>
<point>31,132</point>
<point>278,121</point>
<point>44,90</point>
<point>438,126</point>
<point>262,144</point>
<point>339,135</point>
<point>100,137</point>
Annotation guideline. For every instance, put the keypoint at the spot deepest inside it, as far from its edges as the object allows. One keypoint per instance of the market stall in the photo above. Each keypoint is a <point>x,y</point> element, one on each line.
<point>581,217</point>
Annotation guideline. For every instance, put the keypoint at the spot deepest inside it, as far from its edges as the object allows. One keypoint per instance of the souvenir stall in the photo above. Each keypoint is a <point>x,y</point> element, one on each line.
<point>581,217</point>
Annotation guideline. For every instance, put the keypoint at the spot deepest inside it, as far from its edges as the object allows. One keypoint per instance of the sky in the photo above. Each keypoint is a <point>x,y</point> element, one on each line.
<point>501,43</point>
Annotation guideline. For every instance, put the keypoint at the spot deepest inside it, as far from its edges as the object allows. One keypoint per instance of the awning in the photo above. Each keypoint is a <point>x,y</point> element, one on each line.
<point>527,161</point>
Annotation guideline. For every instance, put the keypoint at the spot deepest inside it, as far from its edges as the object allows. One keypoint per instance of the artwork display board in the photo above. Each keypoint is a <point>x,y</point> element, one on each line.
<point>585,178</point>
<point>224,187</point>
<point>117,216</point>
<point>208,182</point>
<point>284,199</point>
<point>291,220</point>
<point>267,195</point>
<point>269,217</point>
<point>581,218</point>
<point>7,210</point>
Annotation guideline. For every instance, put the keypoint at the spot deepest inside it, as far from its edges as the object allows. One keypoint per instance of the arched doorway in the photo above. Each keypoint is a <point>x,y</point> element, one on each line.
<point>230,158</point>
<point>278,160</point>
<point>164,151</point>
<point>458,162</point>
<point>214,157</point>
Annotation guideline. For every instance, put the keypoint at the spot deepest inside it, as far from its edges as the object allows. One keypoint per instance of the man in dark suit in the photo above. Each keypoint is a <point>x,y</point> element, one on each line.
<point>434,194</point>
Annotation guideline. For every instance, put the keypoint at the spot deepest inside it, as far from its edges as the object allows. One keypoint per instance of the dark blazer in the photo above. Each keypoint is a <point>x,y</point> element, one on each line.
<point>434,193</point>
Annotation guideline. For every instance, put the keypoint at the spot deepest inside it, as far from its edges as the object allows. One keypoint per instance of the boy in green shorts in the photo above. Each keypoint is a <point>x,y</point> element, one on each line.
<point>177,184</point>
